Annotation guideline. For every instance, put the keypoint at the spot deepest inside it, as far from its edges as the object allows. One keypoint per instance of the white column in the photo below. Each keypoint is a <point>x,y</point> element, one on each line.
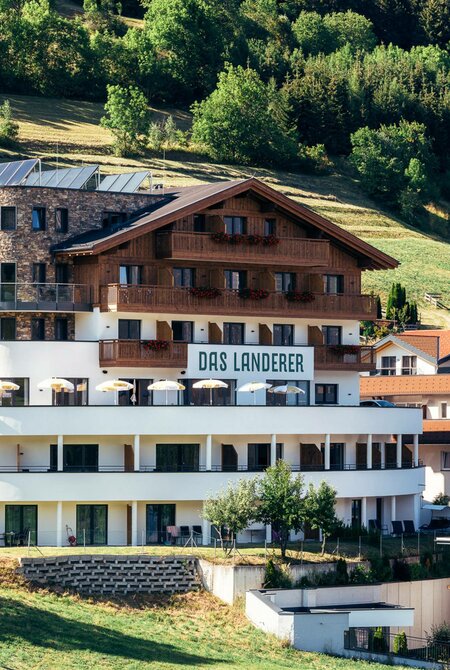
<point>137,452</point>
<point>206,532</point>
<point>269,534</point>
<point>134,522</point>
<point>369,452</point>
<point>417,511</point>
<point>273,449</point>
<point>399,451</point>
<point>208,460</point>
<point>416,451</point>
<point>60,450</point>
<point>383,454</point>
<point>327,452</point>
<point>393,508</point>
<point>59,523</point>
<point>364,512</point>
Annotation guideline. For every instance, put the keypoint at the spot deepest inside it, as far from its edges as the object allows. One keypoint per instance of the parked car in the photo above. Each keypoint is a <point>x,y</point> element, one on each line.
<point>376,403</point>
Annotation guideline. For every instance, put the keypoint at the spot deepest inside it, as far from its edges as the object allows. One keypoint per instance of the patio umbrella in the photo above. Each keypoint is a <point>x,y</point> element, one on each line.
<point>166,385</point>
<point>210,384</point>
<point>252,387</point>
<point>285,388</point>
<point>7,386</point>
<point>56,384</point>
<point>114,385</point>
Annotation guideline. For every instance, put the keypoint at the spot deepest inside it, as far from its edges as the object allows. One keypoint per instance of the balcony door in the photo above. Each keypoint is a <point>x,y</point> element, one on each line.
<point>337,450</point>
<point>229,458</point>
<point>21,519</point>
<point>311,457</point>
<point>158,518</point>
<point>130,274</point>
<point>7,282</point>
<point>92,524</point>
<point>177,457</point>
<point>258,456</point>
<point>80,457</point>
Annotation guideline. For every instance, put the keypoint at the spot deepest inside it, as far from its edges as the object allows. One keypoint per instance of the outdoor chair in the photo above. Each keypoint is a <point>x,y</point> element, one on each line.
<point>185,532</point>
<point>197,532</point>
<point>409,527</point>
<point>374,526</point>
<point>397,528</point>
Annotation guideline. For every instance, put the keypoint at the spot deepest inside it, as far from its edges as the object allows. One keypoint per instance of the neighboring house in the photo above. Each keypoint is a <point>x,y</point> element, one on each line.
<point>412,370</point>
<point>229,280</point>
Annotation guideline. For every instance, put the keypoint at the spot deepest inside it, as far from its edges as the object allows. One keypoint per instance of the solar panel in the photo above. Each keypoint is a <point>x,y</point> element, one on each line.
<point>14,173</point>
<point>73,178</point>
<point>128,182</point>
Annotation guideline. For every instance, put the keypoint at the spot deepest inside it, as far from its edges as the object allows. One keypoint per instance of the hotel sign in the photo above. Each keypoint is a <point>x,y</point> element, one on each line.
<point>252,362</point>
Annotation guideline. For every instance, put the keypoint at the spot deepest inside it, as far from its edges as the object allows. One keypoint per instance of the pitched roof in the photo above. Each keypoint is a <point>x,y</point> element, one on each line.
<point>426,348</point>
<point>429,345</point>
<point>387,385</point>
<point>185,201</point>
<point>442,335</point>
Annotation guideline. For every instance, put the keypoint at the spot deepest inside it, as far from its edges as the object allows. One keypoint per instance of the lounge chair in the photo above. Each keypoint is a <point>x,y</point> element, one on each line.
<point>397,527</point>
<point>374,526</point>
<point>185,532</point>
<point>409,527</point>
<point>197,531</point>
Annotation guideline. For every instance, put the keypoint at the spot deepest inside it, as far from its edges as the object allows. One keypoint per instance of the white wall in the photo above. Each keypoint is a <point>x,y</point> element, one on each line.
<point>424,367</point>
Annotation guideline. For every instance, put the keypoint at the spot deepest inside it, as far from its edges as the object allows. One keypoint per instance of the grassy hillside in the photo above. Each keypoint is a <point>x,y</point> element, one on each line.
<point>45,631</point>
<point>71,129</point>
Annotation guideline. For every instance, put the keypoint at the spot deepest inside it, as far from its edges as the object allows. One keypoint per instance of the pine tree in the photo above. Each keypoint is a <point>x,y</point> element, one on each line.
<point>379,308</point>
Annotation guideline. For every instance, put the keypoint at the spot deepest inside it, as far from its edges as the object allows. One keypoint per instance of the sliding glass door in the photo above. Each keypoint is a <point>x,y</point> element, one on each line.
<point>19,521</point>
<point>177,457</point>
<point>158,518</point>
<point>92,524</point>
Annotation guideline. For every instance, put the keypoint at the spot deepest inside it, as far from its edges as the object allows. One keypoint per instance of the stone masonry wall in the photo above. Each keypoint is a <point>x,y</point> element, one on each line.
<point>113,574</point>
<point>23,323</point>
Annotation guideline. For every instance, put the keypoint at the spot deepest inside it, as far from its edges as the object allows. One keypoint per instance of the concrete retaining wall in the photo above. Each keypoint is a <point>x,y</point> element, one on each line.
<point>109,574</point>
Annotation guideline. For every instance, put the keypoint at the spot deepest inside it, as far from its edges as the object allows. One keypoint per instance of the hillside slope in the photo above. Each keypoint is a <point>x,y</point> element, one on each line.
<point>71,130</point>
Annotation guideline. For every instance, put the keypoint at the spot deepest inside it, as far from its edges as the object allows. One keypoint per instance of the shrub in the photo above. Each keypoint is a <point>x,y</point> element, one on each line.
<point>441,499</point>
<point>361,575</point>
<point>379,641</point>
<point>381,569</point>
<point>314,159</point>
<point>341,571</point>
<point>418,571</point>
<point>401,571</point>
<point>9,129</point>
<point>127,118</point>
<point>276,577</point>
<point>439,633</point>
<point>400,645</point>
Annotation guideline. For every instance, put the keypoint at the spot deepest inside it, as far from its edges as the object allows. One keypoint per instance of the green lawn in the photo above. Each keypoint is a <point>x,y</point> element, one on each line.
<point>71,129</point>
<point>40,630</point>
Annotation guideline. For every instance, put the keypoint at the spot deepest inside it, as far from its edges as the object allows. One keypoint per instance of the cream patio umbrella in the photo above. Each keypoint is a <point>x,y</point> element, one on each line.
<point>6,386</point>
<point>57,384</point>
<point>286,389</point>
<point>252,387</point>
<point>210,384</point>
<point>114,385</point>
<point>166,385</point>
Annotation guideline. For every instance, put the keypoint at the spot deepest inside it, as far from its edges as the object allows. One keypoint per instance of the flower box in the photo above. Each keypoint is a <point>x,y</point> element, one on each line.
<point>253,293</point>
<point>156,345</point>
<point>342,349</point>
<point>208,292</point>
<point>300,296</point>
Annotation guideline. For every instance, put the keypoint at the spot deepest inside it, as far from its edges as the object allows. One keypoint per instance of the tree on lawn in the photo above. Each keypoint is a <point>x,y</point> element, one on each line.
<point>280,502</point>
<point>232,508</point>
<point>127,118</point>
<point>319,510</point>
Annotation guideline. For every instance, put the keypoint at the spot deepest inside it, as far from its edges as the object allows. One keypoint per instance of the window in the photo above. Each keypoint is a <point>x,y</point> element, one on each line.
<point>332,335</point>
<point>129,329</point>
<point>76,457</point>
<point>409,365</point>
<point>388,365</point>
<point>446,460</point>
<point>78,398</point>
<point>235,279</point>
<point>356,514</point>
<point>38,218</point>
<point>183,331</point>
<point>157,519</point>
<point>38,328</point>
<point>17,398</point>
<point>130,274</point>
<point>39,273</point>
<point>336,455</point>
<point>61,329</point>
<point>283,334</point>
<point>139,396</point>
<point>62,273</point>
<point>113,218</point>
<point>288,399</point>
<point>8,218</point>
<point>443,410</point>
<point>21,520</point>
<point>234,333</point>
<point>326,394</point>
<point>61,220</point>
<point>235,225</point>
<point>177,457</point>
<point>7,282</point>
<point>199,223</point>
<point>92,524</point>
<point>183,277</point>
<point>333,283</point>
<point>7,328</point>
<point>197,397</point>
<point>284,281</point>
<point>270,227</point>
<point>258,456</point>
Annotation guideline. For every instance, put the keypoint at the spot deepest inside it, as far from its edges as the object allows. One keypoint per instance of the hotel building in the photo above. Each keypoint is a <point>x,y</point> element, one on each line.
<point>232,280</point>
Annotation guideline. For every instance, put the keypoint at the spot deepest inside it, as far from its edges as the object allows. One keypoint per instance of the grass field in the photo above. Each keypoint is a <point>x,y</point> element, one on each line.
<point>40,630</point>
<point>71,130</point>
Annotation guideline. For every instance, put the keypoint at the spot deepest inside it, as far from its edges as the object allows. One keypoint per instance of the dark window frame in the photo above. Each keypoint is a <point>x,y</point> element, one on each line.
<point>58,323</point>
<point>286,338</point>
<point>129,325</point>
<point>8,321</point>
<point>8,209</point>
<point>38,218</point>
<point>38,328</point>
<point>61,219</point>
<point>323,398</point>
<point>235,225</point>
<point>229,276</point>
<point>328,332</point>
<point>183,277</point>
<point>230,328</point>
<point>285,281</point>
<point>328,279</point>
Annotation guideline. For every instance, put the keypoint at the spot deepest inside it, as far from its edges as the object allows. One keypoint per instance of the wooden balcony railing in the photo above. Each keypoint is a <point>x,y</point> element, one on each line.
<point>293,251</point>
<point>166,299</point>
<point>344,357</point>
<point>136,353</point>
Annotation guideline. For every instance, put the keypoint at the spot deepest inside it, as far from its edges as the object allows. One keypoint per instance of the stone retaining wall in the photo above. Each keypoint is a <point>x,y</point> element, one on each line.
<point>109,574</point>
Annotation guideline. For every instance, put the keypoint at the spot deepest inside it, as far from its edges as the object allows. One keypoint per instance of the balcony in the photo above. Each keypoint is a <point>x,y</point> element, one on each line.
<point>138,353</point>
<point>45,297</point>
<point>167,299</point>
<point>290,251</point>
<point>344,357</point>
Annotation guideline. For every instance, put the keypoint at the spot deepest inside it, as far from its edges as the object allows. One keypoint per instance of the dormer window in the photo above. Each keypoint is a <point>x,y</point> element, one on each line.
<point>235,225</point>
<point>270,227</point>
